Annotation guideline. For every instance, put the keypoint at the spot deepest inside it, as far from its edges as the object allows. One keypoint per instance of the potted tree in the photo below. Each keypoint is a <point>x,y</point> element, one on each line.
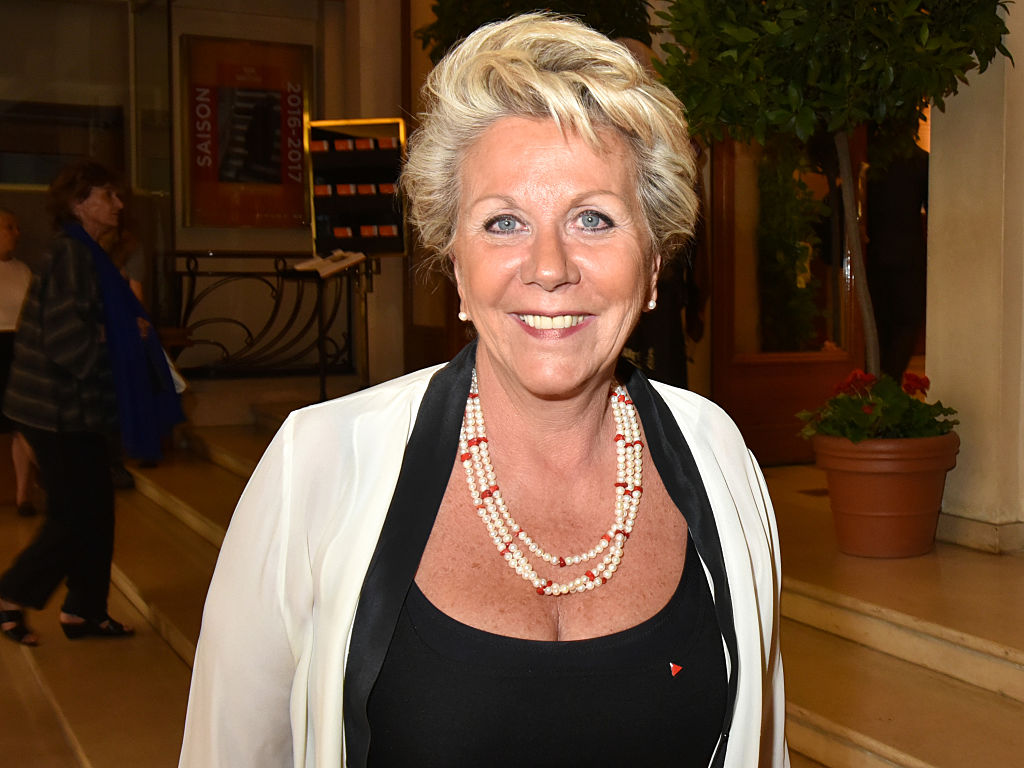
<point>808,71</point>
<point>885,452</point>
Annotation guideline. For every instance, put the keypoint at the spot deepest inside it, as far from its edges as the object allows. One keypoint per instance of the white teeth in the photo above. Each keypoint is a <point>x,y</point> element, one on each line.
<point>546,322</point>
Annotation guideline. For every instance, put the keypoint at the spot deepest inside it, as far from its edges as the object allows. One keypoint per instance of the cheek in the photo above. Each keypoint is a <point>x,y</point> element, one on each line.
<point>476,286</point>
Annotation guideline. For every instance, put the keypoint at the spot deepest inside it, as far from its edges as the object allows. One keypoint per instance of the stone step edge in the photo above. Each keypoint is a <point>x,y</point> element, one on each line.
<point>267,416</point>
<point>225,459</point>
<point>182,646</point>
<point>965,657</point>
<point>838,746</point>
<point>51,699</point>
<point>180,509</point>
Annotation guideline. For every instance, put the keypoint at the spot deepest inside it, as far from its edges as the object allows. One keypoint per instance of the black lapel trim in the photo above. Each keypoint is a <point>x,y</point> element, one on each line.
<point>678,471</point>
<point>426,467</point>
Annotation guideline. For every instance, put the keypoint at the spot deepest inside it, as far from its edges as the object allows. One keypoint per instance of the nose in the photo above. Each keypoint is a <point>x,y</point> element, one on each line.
<point>549,263</point>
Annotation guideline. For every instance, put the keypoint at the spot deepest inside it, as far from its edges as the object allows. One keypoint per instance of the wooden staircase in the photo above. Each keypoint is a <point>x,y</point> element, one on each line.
<point>914,663</point>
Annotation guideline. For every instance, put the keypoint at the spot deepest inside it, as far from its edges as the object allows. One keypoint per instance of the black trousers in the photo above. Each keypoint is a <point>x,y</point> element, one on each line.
<point>6,357</point>
<point>76,539</point>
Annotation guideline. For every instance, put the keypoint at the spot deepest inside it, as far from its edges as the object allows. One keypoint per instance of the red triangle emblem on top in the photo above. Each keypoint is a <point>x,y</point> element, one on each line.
<point>675,668</point>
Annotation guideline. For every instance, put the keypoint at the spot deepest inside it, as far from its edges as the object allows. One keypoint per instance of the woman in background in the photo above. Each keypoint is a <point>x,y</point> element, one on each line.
<point>61,395</point>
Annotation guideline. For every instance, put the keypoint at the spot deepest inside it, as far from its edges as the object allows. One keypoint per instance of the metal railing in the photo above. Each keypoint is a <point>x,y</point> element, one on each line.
<point>270,322</point>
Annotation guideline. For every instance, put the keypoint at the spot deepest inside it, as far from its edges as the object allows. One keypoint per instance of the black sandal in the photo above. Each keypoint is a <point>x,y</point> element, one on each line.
<point>107,627</point>
<point>20,631</point>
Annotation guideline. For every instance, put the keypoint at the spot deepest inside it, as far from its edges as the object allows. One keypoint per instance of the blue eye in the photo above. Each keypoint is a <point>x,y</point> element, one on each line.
<point>503,224</point>
<point>594,220</point>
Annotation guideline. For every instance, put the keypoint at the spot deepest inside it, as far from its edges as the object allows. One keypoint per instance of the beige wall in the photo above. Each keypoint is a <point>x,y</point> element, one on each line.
<point>363,79</point>
<point>976,301</point>
<point>65,52</point>
<point>428,299</point>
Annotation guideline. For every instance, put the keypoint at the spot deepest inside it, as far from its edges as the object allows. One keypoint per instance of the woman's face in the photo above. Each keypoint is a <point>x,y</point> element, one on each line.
<point>99,212</point>
<point>551,254</point>
<point>9,234</point>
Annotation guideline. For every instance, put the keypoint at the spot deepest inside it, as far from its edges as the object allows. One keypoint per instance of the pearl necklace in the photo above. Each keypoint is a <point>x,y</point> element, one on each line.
<point>512,542</point>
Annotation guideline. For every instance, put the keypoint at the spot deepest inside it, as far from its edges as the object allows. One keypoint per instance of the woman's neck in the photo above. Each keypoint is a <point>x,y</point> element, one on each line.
<point>95,231</point>
<point>576,428</point>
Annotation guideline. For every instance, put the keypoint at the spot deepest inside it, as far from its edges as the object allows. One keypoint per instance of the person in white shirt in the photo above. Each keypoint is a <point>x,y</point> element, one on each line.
<point>15,278</point>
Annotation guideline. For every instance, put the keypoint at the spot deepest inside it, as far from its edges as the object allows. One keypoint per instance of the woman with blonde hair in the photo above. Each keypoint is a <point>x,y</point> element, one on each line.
<point>532,555</point>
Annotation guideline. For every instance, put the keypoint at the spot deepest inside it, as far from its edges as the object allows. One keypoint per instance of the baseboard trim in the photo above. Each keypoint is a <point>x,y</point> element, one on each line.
<point>978,534</point>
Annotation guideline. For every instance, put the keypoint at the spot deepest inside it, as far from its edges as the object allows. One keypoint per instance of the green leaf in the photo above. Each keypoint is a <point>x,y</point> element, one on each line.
<point>805,121</point>
<point>813,70</point>
<point>740,34</point>
<point>795,98</point>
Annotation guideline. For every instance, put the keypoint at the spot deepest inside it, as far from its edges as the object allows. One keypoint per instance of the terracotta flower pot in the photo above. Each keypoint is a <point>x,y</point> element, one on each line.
<point>886,494</point>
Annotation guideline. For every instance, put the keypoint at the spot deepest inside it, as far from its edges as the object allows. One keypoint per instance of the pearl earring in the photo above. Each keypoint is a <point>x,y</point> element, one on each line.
<point>463,317</point>
<point>651,304</point>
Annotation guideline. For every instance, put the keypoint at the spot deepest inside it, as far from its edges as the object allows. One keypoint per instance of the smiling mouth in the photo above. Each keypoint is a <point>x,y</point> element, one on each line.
<point>548,322</point>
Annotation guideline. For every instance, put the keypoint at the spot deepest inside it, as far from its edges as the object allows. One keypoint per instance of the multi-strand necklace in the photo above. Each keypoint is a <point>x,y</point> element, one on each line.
<point>514,544</point>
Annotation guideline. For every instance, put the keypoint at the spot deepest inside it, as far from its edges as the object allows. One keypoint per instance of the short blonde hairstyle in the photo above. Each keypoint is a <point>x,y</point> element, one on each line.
<point>548,67</point>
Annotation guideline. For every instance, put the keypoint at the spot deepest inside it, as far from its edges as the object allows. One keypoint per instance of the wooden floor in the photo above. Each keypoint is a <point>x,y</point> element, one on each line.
<point>916,662</point>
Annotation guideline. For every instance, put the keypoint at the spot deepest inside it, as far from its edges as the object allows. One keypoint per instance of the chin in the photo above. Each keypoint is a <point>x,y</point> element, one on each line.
<point>563,378</point>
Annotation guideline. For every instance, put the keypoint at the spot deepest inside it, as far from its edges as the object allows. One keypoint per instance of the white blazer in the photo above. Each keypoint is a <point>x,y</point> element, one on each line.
<point>269,683</point>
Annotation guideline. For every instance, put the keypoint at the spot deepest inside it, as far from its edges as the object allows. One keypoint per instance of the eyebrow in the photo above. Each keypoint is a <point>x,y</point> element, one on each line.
<point>576,201</point>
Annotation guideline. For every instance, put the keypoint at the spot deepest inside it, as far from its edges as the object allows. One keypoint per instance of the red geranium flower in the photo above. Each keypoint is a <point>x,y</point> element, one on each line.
<point>864,407</point>
<point>857,383</point>
<point>914,384</point>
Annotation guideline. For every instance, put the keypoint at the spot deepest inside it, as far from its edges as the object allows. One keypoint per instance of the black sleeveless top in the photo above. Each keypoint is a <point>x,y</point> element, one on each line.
<point>452,695</point>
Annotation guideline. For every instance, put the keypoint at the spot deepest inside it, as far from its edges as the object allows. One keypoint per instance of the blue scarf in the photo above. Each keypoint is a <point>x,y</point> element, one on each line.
<point>147,405</point>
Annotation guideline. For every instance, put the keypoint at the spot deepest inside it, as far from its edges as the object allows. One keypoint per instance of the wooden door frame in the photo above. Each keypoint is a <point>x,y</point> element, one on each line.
<point>763,391</point>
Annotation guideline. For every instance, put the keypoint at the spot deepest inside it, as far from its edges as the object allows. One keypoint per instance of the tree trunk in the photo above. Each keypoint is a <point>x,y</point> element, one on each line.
<point>848,189</point>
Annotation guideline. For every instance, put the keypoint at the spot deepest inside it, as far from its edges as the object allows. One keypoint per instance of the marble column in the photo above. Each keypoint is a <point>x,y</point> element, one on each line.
<point>975,321</point>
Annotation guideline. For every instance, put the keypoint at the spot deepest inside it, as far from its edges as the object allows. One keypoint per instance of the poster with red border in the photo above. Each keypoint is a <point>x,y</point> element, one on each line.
<point>244,105</point>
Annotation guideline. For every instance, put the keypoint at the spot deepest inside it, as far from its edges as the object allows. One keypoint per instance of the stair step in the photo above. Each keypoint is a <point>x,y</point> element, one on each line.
<point>32,733</point>
<point>197,492</point>
<point>122,700</point>
<point>271,415</point>
<point>849,705</point>
<point>164,568</point>
<point>796,760</point>
<point>966,657</point>
<point>237,449</point>
<point>922,609</point>
<point>91,702</point>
